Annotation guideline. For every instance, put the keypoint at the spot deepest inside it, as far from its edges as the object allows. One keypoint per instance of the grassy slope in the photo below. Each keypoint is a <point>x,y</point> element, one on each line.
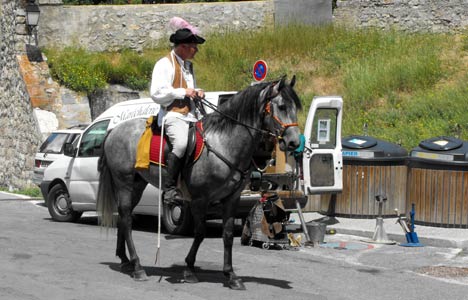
<point>406,87</point>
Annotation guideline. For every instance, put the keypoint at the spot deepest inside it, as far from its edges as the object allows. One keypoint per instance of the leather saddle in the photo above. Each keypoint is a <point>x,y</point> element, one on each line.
<point>194,145</point>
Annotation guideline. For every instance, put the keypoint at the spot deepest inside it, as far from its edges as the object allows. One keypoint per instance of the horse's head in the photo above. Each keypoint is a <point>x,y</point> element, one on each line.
<point>281,106</point>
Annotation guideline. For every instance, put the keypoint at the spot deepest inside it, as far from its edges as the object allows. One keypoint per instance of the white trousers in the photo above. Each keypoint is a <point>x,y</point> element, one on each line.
<point>177,130</point>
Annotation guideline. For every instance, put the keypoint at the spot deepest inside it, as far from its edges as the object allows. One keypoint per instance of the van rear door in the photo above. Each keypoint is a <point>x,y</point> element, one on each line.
<point>322,159</point>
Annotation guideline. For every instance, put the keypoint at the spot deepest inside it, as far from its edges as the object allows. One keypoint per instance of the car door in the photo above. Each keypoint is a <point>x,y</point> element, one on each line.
<point>322,159</point>
<point>83,176</point>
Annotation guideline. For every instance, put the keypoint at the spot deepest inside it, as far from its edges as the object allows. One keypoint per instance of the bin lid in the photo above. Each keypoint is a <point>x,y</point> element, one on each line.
<point>360,147</point>
<point>441,149</point>
<point>442,143</point>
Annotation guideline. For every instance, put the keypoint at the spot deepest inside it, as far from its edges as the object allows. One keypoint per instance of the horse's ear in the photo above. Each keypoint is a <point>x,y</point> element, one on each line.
<point>279,85</point>
<point>282,81</point>
<point>293,81</point>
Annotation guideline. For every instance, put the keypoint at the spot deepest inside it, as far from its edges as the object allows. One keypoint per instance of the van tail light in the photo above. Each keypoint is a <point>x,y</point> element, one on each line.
<point>37,163</point>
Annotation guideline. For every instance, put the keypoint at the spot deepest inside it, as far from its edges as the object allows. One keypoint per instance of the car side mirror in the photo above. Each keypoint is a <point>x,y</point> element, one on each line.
<point>69,150</point>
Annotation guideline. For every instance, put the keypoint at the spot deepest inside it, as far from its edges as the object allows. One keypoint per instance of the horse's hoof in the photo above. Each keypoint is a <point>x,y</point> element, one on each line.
<point>126,267</point>
<point>190,277</point>
<point>237,284</point>
<point>140,275</point>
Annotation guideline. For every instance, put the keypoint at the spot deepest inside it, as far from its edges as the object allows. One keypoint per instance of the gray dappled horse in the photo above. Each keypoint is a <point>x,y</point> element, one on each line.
<point>232,135</point>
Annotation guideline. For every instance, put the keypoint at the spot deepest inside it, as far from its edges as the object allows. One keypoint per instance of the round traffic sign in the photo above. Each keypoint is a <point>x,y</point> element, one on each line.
<point>260,70</point>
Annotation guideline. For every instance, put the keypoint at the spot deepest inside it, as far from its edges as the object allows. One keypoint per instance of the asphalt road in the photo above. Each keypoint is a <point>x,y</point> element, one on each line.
<point>43,259</point>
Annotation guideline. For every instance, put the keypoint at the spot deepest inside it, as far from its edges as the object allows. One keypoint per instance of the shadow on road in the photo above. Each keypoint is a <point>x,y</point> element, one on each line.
<point>173,274</point>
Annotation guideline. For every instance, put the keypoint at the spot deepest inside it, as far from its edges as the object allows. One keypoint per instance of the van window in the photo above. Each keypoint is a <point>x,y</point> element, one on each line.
<point>54,143</point>
<point>324,128</point>
<point>91,142</point>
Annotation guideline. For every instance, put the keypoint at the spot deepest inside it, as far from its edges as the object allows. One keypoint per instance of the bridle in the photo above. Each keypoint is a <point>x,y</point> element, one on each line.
<point>278,122</point>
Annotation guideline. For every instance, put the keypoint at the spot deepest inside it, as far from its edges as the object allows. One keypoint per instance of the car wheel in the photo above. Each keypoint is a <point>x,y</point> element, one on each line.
<point>59,205</point>
<point>177,219</point>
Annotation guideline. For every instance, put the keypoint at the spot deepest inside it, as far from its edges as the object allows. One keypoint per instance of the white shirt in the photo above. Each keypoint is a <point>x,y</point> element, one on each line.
<point>162,91</point>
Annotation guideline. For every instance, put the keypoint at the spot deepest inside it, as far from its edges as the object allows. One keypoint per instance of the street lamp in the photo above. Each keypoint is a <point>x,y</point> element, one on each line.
<point>32,19</point>
<point>32,14</point>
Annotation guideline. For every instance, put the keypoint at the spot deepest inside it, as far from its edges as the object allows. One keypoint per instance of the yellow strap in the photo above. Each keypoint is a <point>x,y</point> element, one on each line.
<point>143,148</point>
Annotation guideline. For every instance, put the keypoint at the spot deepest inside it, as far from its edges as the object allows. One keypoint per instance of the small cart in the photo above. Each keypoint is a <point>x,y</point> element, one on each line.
<point>265,224</point>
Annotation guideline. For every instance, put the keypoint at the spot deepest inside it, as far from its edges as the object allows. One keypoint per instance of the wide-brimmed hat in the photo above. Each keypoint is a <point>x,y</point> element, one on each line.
<point>185,36</point>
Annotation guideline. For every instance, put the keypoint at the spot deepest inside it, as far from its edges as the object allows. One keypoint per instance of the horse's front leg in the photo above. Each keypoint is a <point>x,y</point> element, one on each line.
<point>125,265</point>
<point>199,220</point>
<point>234,281</point>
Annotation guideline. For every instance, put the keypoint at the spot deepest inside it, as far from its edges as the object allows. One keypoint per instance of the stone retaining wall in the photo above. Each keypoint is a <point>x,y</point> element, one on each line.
<point>105,27</point>
<point>408,15</point>
<point>19,136</point>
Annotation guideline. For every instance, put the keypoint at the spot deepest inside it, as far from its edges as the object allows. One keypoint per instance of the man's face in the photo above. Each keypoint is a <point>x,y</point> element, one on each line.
<point>189,50</point>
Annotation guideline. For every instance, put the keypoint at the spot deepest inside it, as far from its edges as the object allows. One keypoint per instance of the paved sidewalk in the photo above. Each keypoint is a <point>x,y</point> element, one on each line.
<point>428,235</point>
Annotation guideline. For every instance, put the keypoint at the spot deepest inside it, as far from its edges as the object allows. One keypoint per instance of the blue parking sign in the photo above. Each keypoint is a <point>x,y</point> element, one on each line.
<point>260,70</point>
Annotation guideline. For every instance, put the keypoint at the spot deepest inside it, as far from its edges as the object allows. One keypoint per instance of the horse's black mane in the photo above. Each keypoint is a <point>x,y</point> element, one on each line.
<point>245,107</point>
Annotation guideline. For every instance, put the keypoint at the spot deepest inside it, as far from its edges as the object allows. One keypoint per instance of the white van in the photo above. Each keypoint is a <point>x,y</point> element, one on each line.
<point>70,184</point>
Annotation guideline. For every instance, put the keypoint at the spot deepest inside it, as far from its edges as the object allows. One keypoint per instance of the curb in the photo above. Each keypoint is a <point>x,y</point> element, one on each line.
<point>400,238</point>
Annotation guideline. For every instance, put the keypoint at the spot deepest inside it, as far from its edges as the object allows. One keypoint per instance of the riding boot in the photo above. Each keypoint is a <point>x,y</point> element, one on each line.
<point>171,194</point>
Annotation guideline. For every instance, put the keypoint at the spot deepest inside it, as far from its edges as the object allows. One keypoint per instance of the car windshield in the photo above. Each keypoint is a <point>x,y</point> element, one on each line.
<point>54,143</point>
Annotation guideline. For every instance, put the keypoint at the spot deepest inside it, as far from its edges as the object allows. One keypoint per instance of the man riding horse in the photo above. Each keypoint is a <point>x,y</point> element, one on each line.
<point>173,86</point>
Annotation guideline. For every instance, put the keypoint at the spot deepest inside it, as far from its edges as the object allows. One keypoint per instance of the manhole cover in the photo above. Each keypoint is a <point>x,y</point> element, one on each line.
<point>444,271</point>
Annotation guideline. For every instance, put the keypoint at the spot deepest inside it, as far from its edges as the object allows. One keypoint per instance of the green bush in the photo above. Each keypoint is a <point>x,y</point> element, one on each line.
<point>75,69</point>
<point>85,72</point>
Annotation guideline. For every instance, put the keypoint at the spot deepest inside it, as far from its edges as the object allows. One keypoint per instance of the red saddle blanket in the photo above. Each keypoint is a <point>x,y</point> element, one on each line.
<point>156,146</point>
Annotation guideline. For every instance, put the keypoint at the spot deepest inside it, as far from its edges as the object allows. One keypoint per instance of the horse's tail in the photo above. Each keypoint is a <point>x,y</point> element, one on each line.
<point>106,201</point>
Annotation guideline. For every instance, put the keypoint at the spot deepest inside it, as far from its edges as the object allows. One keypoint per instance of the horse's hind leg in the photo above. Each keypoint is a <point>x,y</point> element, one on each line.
<point>234,281</point>
<point>126,204</point>
<point>199,220</point>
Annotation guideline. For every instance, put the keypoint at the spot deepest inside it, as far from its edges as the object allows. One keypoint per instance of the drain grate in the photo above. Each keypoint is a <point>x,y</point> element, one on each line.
<point>444,271</point>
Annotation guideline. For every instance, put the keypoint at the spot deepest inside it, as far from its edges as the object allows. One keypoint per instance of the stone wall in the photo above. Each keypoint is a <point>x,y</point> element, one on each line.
<point>19,136</point>
<point>105,27</point>
<point>408,15</point>
<point>311,12</point>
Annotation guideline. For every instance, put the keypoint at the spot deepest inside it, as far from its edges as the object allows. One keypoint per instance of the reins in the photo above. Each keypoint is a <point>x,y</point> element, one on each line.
<point>268,111</point>
<point>220,156</point>
<point>215,108</point>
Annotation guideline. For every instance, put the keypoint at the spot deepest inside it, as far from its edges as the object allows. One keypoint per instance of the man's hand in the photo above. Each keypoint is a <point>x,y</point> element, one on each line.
<point>192,93</point>
<point>201,93</point>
